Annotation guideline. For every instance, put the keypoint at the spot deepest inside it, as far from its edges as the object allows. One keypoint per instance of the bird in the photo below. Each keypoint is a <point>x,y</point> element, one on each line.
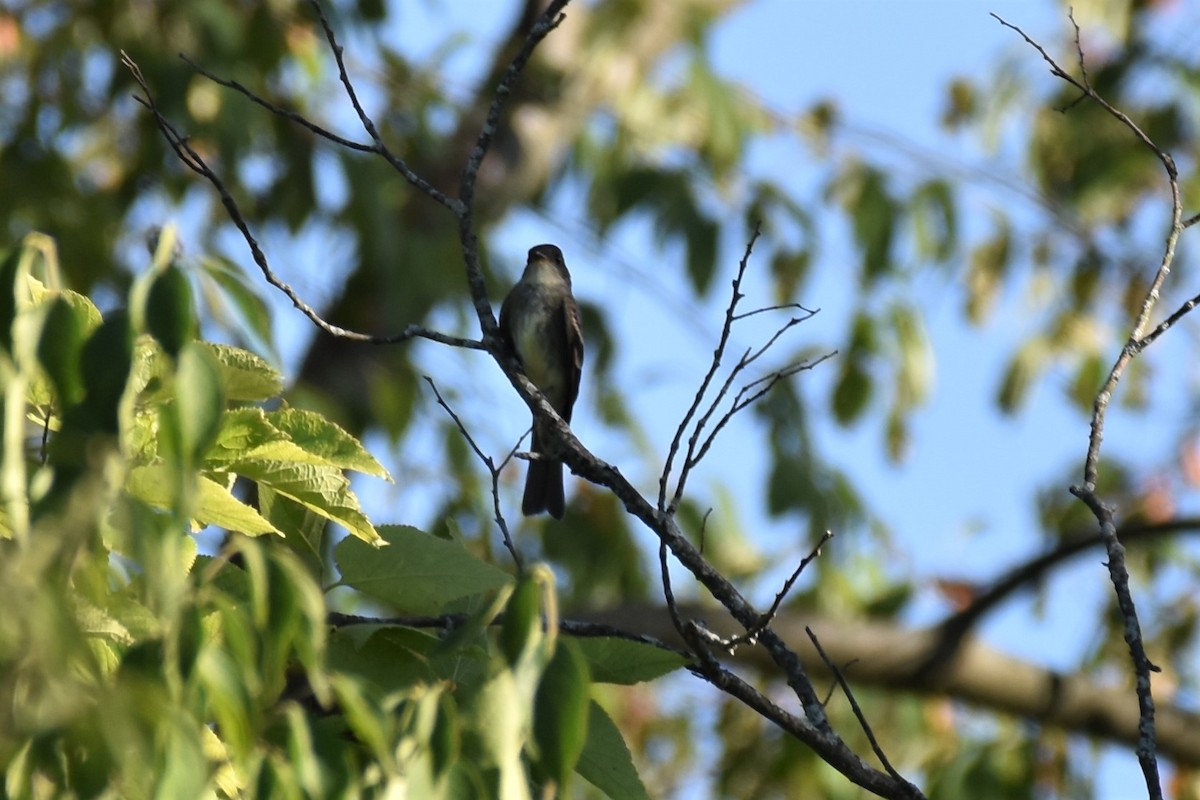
<point>539,320</point>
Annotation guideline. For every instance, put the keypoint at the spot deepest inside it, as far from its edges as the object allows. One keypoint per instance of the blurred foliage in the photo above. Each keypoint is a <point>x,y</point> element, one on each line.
<point>132,666</point>
<point>623,111</point>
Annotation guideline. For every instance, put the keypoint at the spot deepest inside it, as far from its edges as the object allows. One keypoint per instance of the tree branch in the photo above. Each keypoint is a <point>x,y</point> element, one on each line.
<point>192,159</point>
<point>894,658</point>
<point>718,354</point>
<point>493,470</point>
<point>1035,569</point>
<point>1118,574</point>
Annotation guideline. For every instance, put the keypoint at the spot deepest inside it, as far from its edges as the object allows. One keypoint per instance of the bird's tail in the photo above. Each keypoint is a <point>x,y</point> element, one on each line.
<point>543,485</point>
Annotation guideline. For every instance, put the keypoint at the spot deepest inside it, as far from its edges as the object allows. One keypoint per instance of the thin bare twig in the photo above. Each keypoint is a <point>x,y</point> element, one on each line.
<point>493,470</point>
<point>784,307</point>
<point>279,110</point>
<point>696,450</point>
<point>193,160</point>
<point>669,596</point>
<point>751,636</point>
<point>858,714</point>
<point>718,354</point>
<point>1118,573</point>
<point>368,124</point>
<point>704,528</point>
<point>744,399</point>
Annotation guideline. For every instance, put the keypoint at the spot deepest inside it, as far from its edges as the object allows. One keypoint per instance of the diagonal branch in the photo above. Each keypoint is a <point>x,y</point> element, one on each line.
<point>1034,569</point>
<point>195,162</point>
<point>854,706</point>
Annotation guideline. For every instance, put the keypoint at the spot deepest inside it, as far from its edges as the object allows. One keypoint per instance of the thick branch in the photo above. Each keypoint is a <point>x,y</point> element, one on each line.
<point>893,657</point>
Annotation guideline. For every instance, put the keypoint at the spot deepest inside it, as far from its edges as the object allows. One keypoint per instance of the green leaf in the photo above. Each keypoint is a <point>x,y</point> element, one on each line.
<point>228,697</point>
<point>789,269</point>
<point>323,490</point>
<point>986,272</point>
<point>874,212</point>
<point>246,434</point>
<point>702,234</point>
<point>391,657</point>
<point>296,628</point>
<point>244,376</point>
<point>231,283</point>
<point>362,713</point>
<point>730,117</point>
<point>934,220</point>
<point>170,312</point>
<point>560,713</point>
<point>851,393</point>
<point>85,310</point>
<point>59,348</point>
<point>251,434</point>
<point>215,504</point>
<point>303,530</point>
<point>1090,374</point>
<point>914,377</point>
<point>606,762</point>
<point>673,205</point>
<point>615,660</point>
<point>199,402</point>
<point>302,754</point>
<point>416,572</point>
<point>499,718</point>
<point>315,434</point>
<point>107,360</point>
<point>520,615</point>
<point>896,435</point>
<point>185,766</point>
<point>1022,370</point>
<point>95,621</point>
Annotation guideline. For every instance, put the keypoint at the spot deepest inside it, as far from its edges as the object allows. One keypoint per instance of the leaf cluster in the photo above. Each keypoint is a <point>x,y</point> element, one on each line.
<point>135,662</point>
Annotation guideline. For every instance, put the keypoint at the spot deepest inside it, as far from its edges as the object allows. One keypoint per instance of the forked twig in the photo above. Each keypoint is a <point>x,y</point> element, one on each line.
<point>858,713</point>
<point>718,354</point>
<point>493,470</point>
<point>698,443</point>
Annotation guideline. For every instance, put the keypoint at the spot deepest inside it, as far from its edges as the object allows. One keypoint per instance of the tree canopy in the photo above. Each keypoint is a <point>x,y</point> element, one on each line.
<point>261,529</point>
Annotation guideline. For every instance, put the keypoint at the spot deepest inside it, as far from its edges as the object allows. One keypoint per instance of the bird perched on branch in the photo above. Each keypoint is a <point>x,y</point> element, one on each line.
<point>540,321</point>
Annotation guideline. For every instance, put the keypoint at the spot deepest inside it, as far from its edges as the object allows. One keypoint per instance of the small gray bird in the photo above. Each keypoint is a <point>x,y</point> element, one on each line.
<point>540,321</point>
